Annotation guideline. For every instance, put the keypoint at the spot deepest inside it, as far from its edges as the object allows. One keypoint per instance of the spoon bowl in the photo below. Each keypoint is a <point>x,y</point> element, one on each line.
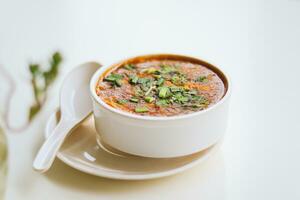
<point>75,101</point>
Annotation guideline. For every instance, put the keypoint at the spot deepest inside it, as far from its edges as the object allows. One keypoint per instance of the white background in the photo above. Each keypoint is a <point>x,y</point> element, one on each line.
<point>256,42</point>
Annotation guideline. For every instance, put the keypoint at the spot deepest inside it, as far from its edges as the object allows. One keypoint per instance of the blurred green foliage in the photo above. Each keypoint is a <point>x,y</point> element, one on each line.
<point>41,80</point>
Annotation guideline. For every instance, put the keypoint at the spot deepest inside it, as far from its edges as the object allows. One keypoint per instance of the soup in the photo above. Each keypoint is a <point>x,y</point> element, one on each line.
<point>160,87</point>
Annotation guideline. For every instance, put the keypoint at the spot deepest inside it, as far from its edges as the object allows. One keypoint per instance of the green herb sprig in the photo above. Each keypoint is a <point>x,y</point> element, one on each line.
<point>141,109</point>
<point>129,67</point>
<point>202,79</point>
<point>115,79</point>
<point>41,80</point>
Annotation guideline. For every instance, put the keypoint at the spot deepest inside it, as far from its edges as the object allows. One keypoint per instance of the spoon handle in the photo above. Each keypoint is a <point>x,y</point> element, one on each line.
<point>48,151</point>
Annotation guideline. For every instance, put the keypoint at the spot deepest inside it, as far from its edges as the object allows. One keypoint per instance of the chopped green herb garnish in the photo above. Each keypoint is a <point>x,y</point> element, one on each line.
<point>145,88</point>
<point>151,70</point>
<point>175,79</point>
<point>165,69</point>
<point>118,82</point>
<point>109,79</point>
<point>178,79</point>
<point>202,79</point>
<point>149,99</point>
<point>115,79</point>
<point>203,100</point>
<point>177,96</point>
<point>133,79</point>
<point>160,81</point>
<point>134,99</point>
<point>122,101</point>
<point>176,89</point>
<point>162,102</point>
<point>146,83</point>
<point>143,80</point>
<point>129,66</point>
<point>141,109</point>
<point>196,98</point>
<point>164,92</point>
<point>183,99</point>
<point>186,93</point>
<point>192,92</point>
<point>138,91</point>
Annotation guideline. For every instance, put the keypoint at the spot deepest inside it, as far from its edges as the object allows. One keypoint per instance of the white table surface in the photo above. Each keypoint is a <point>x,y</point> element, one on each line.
<point>256,42</point>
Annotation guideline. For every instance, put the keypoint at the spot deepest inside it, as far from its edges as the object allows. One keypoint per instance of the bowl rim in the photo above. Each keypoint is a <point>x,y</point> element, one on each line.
<point>96,76</point>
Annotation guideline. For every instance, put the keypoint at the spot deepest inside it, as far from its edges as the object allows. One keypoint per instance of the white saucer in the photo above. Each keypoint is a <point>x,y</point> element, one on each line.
<point>81,151</point>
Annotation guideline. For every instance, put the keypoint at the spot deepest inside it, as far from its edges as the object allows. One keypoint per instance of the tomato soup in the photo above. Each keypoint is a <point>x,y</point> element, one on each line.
<point>160,87</point>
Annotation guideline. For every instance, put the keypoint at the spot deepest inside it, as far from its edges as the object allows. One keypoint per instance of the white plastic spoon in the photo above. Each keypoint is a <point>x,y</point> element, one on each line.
<point>75,106</point>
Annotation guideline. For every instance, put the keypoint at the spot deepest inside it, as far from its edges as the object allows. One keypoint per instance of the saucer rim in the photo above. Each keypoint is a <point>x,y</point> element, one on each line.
<point>118,176</point>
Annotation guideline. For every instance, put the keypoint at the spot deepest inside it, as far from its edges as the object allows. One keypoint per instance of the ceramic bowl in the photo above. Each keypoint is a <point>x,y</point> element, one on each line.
<point>160,137</point>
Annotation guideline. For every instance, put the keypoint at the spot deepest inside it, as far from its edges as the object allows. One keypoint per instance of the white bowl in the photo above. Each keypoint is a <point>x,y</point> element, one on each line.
<point>160,137</point>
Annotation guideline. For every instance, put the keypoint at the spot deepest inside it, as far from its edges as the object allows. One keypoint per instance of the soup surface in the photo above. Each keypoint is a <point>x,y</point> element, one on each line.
<point>160,88</point>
